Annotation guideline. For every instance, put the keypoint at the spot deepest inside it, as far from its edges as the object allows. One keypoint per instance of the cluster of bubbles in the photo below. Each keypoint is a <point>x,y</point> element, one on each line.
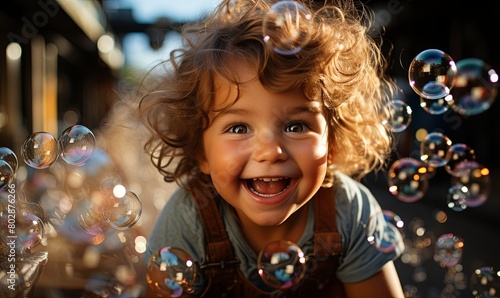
<point>171,271</point>
<point>74,146</point>
<point>468,87</point>
<point>76,192</point>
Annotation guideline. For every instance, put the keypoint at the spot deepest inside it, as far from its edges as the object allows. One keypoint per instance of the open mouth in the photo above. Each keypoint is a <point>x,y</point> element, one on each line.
<point>268,187</point>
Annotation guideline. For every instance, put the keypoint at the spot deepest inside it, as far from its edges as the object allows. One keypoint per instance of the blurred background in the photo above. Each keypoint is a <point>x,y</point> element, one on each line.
<point>80,62</point>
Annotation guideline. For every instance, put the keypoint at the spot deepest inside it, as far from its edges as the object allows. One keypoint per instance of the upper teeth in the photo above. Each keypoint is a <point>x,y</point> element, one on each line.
<point>268,179</point>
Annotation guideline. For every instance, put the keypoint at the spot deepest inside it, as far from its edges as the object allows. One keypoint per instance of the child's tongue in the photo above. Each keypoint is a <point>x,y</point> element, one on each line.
<point>271,187</point>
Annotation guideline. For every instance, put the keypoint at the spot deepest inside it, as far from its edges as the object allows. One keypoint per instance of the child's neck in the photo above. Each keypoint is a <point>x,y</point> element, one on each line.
<point>292,229</point>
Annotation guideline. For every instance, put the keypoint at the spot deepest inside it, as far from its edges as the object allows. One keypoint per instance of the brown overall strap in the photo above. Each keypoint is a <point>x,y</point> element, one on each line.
<point>219,253</point>
<point>327,241</point>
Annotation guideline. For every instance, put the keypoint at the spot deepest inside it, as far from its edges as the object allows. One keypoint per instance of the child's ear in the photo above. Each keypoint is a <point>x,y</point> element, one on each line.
<point>203,164</point>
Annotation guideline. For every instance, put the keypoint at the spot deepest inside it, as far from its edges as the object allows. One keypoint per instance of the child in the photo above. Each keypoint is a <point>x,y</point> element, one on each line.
<point>269,145</point>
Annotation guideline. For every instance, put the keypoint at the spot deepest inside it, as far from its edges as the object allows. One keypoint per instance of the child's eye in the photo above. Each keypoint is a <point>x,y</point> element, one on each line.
<point>238,128</point>
<point>296,127</point>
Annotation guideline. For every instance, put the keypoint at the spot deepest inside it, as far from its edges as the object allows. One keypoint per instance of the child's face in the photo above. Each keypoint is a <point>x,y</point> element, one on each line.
<point>267,153</point>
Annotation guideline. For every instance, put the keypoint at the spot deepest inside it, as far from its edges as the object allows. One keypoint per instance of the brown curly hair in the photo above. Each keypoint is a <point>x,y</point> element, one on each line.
<point>341,65</point>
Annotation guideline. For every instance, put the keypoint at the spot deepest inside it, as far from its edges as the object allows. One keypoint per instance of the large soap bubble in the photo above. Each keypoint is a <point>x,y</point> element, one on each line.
<point>40,150</point>
<point>408,179</point>
<point>287,27</point>
<point>432,74</point>
<point>76,145</point>
<point>476,87</point>
<point>171,272</point>
<point>281,264</point>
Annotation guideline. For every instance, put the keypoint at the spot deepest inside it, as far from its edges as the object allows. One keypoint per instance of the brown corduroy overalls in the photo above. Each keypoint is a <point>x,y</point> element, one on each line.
<point>226,280</point>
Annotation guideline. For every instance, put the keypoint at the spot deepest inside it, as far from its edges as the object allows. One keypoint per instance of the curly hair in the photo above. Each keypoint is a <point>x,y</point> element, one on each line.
<point>341,65</point>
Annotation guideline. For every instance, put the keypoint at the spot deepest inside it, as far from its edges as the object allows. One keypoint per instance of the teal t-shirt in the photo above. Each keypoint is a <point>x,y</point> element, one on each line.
<point>178,225</point>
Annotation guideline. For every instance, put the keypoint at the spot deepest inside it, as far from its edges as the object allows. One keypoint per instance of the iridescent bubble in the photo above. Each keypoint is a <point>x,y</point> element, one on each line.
<point>29,230</point>
<point>25,219</point>
<point>433,149</point>
<point>476,87</point>
<point>281,264</point>
<point>408,180</point>
<point>435,106</point>
<point>384,231</point>
<point>457,197</point>
<point>10,157</point>
<point>170,272</point>
<point>432,74</point>
<point>6,174</point>
<point>485,282</point>
<point>76,145</point>
<point>287,27</point>
<point>397,115</point>
<point>121,208</point>
<point>476,180</point>
<point>40,150</point>
<point>448,251</point>
<point>458,153</point>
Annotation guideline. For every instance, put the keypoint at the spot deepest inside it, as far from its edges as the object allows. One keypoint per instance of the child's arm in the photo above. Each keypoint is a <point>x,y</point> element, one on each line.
<point>384,284</point>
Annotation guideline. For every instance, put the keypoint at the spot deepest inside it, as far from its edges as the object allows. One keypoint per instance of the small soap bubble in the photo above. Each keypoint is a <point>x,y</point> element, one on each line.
<point>448,250</point>
<point>170,272</point>
<point>485,282</point>
<point>433,149</point>
<point>457,197</point>
<point>76,145</point>
<point>397,115</point>
<point>281,264</point>
<point>457,154</point>
<point>6,174</point>
<point>432,74</point>
<point>476,87</point>
<point>10,157</point>
<point>408,179</point>
<point>287,27</point>
<point>384,231</point>
<point>435,106</point>
<point>121,209</point>
<point>29,229</point>
<point>40,150</point>
<point>476,180</point>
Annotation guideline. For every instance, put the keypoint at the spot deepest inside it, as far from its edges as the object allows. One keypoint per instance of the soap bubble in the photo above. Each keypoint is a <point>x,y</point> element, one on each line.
<point>485,282</point>
<point>384,231</point>
<point>170,272</point>
<point>435,106</point>
<point>287,27</point>
<point>433,149</point>
<point>121,208</point>
<point>476,87</point>
<point>40,150</point>
<point>408,179</point>
<point>76,145</point>
<point>397,115</point>
<point>448,251</point>
<point>456,155</point>
<point>476,179</point>
<point>28,222</point>
<point>10,157</point>
<point>432,74</point>
<point>281,264</point>
<point>6,174</point>
<point>457,197</point>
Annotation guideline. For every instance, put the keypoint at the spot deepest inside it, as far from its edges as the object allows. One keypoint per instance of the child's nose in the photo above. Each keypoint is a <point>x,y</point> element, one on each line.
<point>268,147</point>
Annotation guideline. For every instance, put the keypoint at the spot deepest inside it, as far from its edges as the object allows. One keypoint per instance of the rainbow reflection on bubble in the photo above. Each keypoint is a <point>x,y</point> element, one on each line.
<point>281,264</point>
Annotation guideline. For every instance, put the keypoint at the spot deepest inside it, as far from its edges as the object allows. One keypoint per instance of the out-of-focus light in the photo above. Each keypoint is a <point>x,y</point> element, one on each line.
<point>14,51</point>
